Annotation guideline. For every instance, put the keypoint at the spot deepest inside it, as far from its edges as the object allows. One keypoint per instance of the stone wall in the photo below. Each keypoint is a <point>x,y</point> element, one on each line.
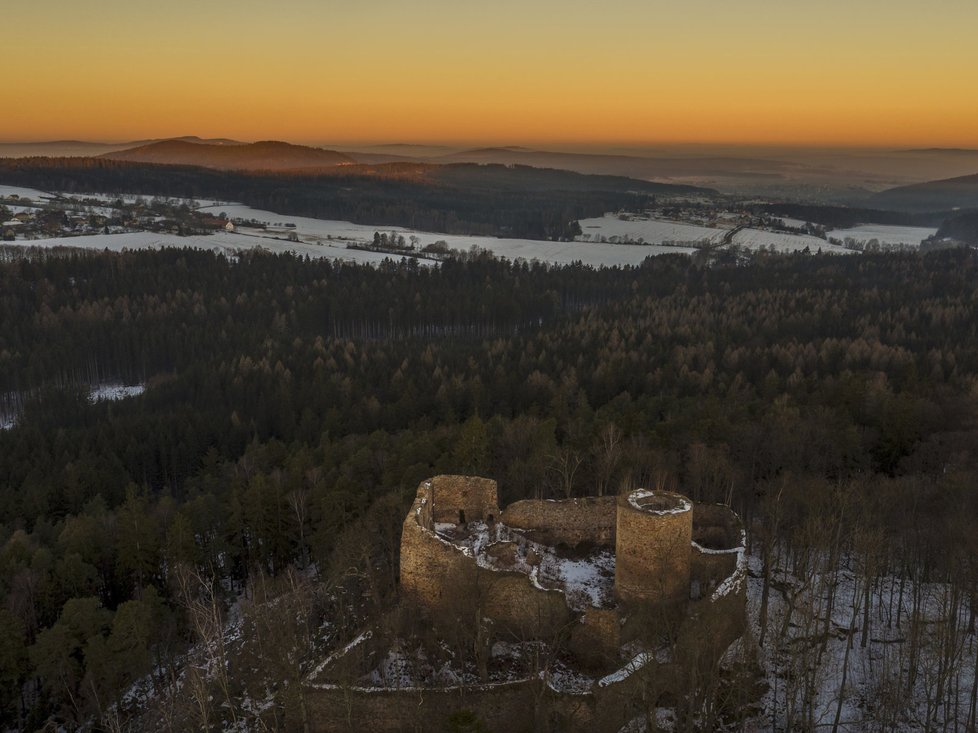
<point>708,569</point>
<point>444,581</point>
<point>518,608</point>
<point>717,540</point>
<point>596,639</point>
<point>500,708</point>
<point>652,550</point>
<point>716,527</point>
<point>430,568</point>
<point>477,497</point>
<point>570,522</point>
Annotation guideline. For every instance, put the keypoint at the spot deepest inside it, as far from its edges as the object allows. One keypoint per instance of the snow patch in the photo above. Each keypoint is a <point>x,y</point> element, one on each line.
<point>639,495</point>
<point>638,662</point>
<point>112,392</point>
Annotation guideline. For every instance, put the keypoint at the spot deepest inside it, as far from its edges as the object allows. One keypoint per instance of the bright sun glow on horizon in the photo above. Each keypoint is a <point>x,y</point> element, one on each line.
<point>860,72</point>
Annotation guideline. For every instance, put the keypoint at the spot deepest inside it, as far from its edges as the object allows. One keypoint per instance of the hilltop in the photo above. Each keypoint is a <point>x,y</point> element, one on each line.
<point>948,193</point>
<point>266,155</point>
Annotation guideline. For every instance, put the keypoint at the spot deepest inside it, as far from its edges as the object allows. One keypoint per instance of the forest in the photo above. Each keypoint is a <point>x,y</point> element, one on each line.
<point>456,199</point>
<point>962,227</point>
<point>842,217</point>
<point>292,407</point>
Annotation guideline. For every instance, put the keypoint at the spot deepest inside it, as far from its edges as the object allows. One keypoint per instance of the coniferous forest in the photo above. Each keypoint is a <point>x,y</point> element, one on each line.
<point>292,406</point>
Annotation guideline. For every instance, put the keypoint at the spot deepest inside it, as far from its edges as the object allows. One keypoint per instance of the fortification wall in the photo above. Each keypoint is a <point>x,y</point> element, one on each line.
<point>652,548</point>
<point>718,618</point>
<point>717,542</point>
<point>571,522</point>
<point>596,639</point>
<point>430,568</point>
<point>445,581</point>
<point>500,708</point>
<point>711,626</point>
<point>517,607</point>
<point>475,496</point>
<point>716,527</point>
<point>708,569</point>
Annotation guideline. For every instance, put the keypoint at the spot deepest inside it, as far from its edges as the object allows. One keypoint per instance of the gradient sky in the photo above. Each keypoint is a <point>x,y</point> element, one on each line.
<point>839,72</point>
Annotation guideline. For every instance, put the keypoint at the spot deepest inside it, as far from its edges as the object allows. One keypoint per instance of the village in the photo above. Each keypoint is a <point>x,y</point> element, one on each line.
<point>51,216</point>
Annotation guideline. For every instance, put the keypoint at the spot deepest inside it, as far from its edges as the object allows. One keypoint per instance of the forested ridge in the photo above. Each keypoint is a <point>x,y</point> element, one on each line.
<point>292,406</point>
<point>456,199</point>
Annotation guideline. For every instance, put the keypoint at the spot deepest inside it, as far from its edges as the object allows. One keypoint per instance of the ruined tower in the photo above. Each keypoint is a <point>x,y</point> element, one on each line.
<point>654,531</point>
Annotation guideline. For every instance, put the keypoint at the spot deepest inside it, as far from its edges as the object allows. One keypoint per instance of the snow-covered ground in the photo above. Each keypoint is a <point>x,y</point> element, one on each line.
<point>588,582</point>
<point>885,235</point>
<point>783,242</point>
<point>795,223</point>
<point>327,238</point>
<point>132,197</point>
<point>219,242</point>
<point>875,683</point>
<point>326,231</point>
<point>112,392</point>
<point>105,392</point>
<point>608,240</point>
<point>650,231</point>
<point>31,193</point>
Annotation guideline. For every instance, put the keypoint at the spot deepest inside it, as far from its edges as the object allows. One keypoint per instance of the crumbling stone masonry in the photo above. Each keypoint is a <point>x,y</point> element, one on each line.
<point>662,557</point>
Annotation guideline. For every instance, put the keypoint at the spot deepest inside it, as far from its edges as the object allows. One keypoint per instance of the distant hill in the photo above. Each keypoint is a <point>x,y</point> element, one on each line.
<point>962,228</point>
<point>625,165</point>
<point>260,156</point>
<point>87,148</point>
<point>187,139</point>
<point>58,148</point>
<point>950,193</point>
<point>529,178</point>
<point>945,151</point>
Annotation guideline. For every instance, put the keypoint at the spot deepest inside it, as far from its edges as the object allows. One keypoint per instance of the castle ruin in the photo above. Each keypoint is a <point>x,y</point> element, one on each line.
<point>578,612</point>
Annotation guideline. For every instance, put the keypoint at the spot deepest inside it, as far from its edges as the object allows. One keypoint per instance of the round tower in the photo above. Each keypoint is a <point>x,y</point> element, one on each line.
<point>652,547</point>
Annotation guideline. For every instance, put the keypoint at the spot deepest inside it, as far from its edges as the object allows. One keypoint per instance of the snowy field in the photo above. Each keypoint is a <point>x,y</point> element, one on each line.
<point>322,238</point>
<point>753,239</point>
<point>131,198</point>
<point>796,223</point>
<point>325,230</point>
<point>891,235</point>
<point>327,238</point>
<point>650,231</point>
<point>31,193</point>
<point>226,242</point>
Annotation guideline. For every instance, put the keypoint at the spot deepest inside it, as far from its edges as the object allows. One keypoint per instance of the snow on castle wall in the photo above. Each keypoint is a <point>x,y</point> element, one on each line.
<point>669,554</point>
<point>444,580</point>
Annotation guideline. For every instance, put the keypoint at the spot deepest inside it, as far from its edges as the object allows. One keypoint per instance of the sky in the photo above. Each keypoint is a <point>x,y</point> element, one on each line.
<point>623,72</point>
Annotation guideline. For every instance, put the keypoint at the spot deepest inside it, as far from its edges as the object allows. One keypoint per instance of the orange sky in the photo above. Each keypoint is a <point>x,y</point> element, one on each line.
<point>859,72</point>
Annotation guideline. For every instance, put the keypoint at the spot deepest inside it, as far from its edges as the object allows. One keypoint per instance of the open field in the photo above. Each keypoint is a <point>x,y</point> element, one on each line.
<point>891,235</point>
<point>784,242</point>
<point>650,231</point>
<point>609,240</point>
